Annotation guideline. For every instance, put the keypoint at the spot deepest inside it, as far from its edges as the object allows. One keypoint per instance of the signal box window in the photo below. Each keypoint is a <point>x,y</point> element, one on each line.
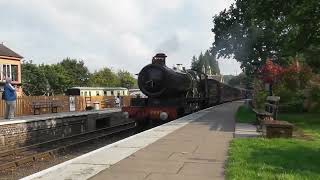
<point>14,69</point>
<point>6,72</point>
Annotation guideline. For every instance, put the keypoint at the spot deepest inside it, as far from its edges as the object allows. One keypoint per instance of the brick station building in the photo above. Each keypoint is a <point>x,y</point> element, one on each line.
<point>10,66</point>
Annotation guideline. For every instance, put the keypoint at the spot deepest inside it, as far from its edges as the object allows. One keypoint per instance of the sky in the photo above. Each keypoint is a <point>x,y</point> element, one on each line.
<point>123,34</point>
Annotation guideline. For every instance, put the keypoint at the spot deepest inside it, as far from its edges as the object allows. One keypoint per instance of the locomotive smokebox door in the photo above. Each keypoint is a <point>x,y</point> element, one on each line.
<point>160,59</point>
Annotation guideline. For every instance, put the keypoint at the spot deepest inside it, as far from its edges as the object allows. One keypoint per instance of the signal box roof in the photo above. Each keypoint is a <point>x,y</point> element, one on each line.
<point>5,51</point>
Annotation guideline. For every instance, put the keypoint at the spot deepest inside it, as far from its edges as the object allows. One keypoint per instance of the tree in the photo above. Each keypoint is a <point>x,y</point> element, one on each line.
<point>205,62</point>
<point>194,63</point>
<point>239,81</point>
<point>212,61</point>
<point>126,79</point>
<point>252,31</point>
<point>34,82</point>
<point>104,78</point>
<point>57,78</point>
<point>76,71</point>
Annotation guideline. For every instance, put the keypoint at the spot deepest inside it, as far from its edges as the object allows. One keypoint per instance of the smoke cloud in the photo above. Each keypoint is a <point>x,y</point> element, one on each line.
<point>169,45</point>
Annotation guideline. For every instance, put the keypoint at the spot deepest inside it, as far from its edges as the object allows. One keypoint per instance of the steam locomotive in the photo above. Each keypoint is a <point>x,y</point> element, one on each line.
<point>175,92</point>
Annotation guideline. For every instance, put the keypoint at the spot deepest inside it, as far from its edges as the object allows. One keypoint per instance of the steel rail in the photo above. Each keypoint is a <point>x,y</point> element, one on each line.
<point>14,158</point>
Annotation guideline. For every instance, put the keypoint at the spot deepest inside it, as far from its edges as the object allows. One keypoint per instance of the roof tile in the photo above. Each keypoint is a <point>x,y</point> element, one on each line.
<point>5,51</point>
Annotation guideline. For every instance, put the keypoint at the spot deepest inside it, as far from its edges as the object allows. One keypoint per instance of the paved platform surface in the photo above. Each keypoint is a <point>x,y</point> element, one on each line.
<point>246,130</point>
<point>197,151</point>
<point>29,118</point>
<point>191,147</point>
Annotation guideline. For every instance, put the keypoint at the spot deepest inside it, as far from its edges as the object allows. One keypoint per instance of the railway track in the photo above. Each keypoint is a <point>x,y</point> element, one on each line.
<point>13,158</point>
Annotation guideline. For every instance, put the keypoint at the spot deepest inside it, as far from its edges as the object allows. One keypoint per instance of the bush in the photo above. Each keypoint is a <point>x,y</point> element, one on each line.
<point>259,94</point>
<point>290,100</point>
<point>294,80</point>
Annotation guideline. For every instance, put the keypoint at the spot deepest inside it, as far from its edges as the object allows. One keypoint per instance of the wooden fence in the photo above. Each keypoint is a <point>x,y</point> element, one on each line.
<point>105,101</point>
<point>24,103</point>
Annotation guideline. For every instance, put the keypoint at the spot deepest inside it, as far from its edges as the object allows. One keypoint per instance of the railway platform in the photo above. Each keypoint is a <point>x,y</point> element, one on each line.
<point>27,130</point>
<point>30,118</point>
<point>192,147</point>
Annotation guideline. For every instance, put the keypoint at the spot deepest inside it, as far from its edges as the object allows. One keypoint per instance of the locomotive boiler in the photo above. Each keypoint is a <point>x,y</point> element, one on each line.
<point>157,80</point>
<point>175,92</point>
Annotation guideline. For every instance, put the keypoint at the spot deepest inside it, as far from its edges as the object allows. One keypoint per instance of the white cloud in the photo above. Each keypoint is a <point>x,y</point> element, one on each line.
<point>120,34</point>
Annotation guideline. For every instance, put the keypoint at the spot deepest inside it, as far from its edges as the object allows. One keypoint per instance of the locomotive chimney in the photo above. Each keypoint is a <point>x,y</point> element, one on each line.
<point>160,59</point>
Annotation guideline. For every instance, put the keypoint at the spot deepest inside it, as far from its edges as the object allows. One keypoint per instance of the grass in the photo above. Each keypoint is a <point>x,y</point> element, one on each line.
<point>245,115</point>
<point>309,122</point>
<point>259,158</point>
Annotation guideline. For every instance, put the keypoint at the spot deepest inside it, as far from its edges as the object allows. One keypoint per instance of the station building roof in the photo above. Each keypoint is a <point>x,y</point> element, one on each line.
<point>5,51</point>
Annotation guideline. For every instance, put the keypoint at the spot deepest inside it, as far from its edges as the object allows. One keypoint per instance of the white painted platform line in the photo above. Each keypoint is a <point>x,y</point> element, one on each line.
<point>244,130</point>
<point>90,164</point>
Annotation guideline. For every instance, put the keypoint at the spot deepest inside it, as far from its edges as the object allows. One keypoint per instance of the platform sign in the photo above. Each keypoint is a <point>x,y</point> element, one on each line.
<point>72,103</point>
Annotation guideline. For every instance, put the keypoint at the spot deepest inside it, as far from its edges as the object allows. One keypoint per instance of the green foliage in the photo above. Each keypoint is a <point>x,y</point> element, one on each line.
<point>312,57</point>
<point>126,79</point>
<point>206,63</point>
<point>104,78</point>
<point>260,99</point>
<point>195,65</point>
<point>34,81</point>
<point>309,122</point>
<point>252,31</point>
<point>259,94</point>
<point>290,87</point>
<point>291,100</point>
<point>239,81</point>
<point>77,71</point>
<point>55,79</point>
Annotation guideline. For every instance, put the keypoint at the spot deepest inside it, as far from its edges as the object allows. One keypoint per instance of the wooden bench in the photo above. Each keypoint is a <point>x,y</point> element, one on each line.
<point>37,105</point>
<point>270,112</point>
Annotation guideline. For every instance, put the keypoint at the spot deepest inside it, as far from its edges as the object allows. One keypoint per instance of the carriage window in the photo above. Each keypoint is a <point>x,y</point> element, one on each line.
<point>105,92</point>
<point>111,93</point>
<point>86,93</point>
<point>97,93</point>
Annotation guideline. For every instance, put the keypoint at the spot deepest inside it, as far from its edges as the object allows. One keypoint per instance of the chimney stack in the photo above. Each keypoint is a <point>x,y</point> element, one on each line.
<point>160,59</point>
